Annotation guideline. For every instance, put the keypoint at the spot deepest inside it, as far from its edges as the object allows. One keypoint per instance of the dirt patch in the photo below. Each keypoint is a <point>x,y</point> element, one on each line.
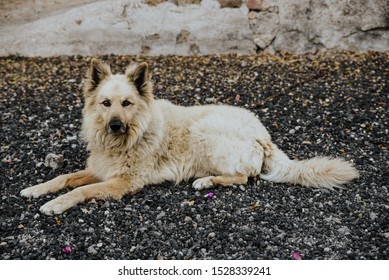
<point>14,12</point>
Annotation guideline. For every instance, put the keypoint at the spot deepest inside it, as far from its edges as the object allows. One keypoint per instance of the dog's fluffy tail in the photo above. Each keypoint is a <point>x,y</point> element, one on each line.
<point>317,172</point>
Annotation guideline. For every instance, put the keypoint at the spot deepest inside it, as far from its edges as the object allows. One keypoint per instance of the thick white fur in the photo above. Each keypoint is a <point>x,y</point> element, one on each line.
<point>188,142</point>
<point>164,142</point>
<point>317,172</point>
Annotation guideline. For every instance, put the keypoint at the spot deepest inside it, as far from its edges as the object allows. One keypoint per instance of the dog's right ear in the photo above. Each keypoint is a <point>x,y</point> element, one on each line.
<point>97,72</point>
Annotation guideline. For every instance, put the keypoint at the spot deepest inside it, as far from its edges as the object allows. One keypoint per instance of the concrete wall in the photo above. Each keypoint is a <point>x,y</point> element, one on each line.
<point>186,27</point>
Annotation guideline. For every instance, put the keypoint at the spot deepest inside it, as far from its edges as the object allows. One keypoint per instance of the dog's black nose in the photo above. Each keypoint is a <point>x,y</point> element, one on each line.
<point>115,125</point>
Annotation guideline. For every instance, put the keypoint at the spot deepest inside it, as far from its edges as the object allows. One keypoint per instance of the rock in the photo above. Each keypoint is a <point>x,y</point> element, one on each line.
<point>185,2</point>
<point>40,164</point>
<point>182,37</point>
<point>210,99</point>
<point>160,215</point>
<point>344,230</point>
<point>106,204</point>
<point>254,5</point>
<point>230,3</point>
<point>92,250</point>
<point>71,138</point>
<point>154,2</point>
<point>54,161</point>
<point>252,15</point>
<point>265,27</point>
<point>176,2</point>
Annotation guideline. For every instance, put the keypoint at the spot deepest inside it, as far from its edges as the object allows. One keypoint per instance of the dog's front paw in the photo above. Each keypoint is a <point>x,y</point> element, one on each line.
<point>58,205</point>
<point>34,191</point>
<point>203,183</point>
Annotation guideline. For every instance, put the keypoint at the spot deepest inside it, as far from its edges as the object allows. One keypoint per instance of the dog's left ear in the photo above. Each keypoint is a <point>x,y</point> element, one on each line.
<point>139,75</point>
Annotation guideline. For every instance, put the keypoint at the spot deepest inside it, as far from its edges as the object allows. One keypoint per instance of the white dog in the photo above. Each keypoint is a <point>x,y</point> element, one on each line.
<point>135,140</point>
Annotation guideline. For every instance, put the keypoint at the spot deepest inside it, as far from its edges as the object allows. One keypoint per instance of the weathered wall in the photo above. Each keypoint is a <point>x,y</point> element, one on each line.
<point>301,26</point>
<point>185,27</point>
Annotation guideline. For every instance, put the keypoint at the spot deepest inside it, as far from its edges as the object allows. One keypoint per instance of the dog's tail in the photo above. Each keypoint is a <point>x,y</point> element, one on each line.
<point>317,172</point>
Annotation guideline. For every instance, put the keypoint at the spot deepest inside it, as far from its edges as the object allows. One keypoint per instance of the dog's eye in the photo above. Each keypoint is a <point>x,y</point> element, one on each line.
<point>126,103</point>
<point>106,103</point>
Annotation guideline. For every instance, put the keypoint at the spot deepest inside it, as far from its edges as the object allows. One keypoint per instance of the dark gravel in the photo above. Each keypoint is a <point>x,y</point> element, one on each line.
<point>326,104</point>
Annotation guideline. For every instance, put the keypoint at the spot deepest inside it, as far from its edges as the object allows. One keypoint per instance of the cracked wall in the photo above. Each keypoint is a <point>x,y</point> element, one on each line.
<point>187,27</point>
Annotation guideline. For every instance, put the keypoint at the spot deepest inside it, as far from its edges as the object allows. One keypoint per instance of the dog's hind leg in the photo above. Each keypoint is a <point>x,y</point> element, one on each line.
<point>114,188</point>
<point>224,180</point>
<point>71,180</point>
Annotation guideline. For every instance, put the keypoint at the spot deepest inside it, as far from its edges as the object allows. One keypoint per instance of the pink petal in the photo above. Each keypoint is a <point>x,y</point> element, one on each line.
<point>296,256</point>
<point>66,250</point>
<point>210,195</point>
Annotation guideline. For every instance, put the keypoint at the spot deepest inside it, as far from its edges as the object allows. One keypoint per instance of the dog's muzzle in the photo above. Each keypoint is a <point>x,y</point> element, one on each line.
<point>116,127</point>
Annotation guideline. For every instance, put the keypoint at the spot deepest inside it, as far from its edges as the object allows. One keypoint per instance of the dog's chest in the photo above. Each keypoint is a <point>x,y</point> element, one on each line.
<point>105,166</point>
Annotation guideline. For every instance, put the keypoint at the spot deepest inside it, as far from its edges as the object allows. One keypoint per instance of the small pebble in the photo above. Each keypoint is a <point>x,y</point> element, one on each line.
<point>92,250</point>
<point>54,161</point>
<point>160,215</point>
<point>373,216</point>
<point>344,230</point>
<point>210,99</point>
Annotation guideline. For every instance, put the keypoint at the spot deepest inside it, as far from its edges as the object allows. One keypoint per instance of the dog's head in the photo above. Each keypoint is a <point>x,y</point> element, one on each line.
<point>116,106</point>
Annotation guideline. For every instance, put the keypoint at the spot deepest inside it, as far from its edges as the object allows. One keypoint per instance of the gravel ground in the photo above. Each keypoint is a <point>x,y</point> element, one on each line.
<point>332,104</point>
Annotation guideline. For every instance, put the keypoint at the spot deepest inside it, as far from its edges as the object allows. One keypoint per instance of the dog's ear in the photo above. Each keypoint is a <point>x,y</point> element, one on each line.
<point>97,72</point>
<point>139,75</point>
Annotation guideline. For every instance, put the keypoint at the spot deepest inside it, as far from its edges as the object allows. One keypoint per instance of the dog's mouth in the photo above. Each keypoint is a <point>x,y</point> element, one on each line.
<point>117,127</point>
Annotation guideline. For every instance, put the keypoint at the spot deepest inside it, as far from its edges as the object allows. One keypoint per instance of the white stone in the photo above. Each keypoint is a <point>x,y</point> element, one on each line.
<point>92,250</point>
